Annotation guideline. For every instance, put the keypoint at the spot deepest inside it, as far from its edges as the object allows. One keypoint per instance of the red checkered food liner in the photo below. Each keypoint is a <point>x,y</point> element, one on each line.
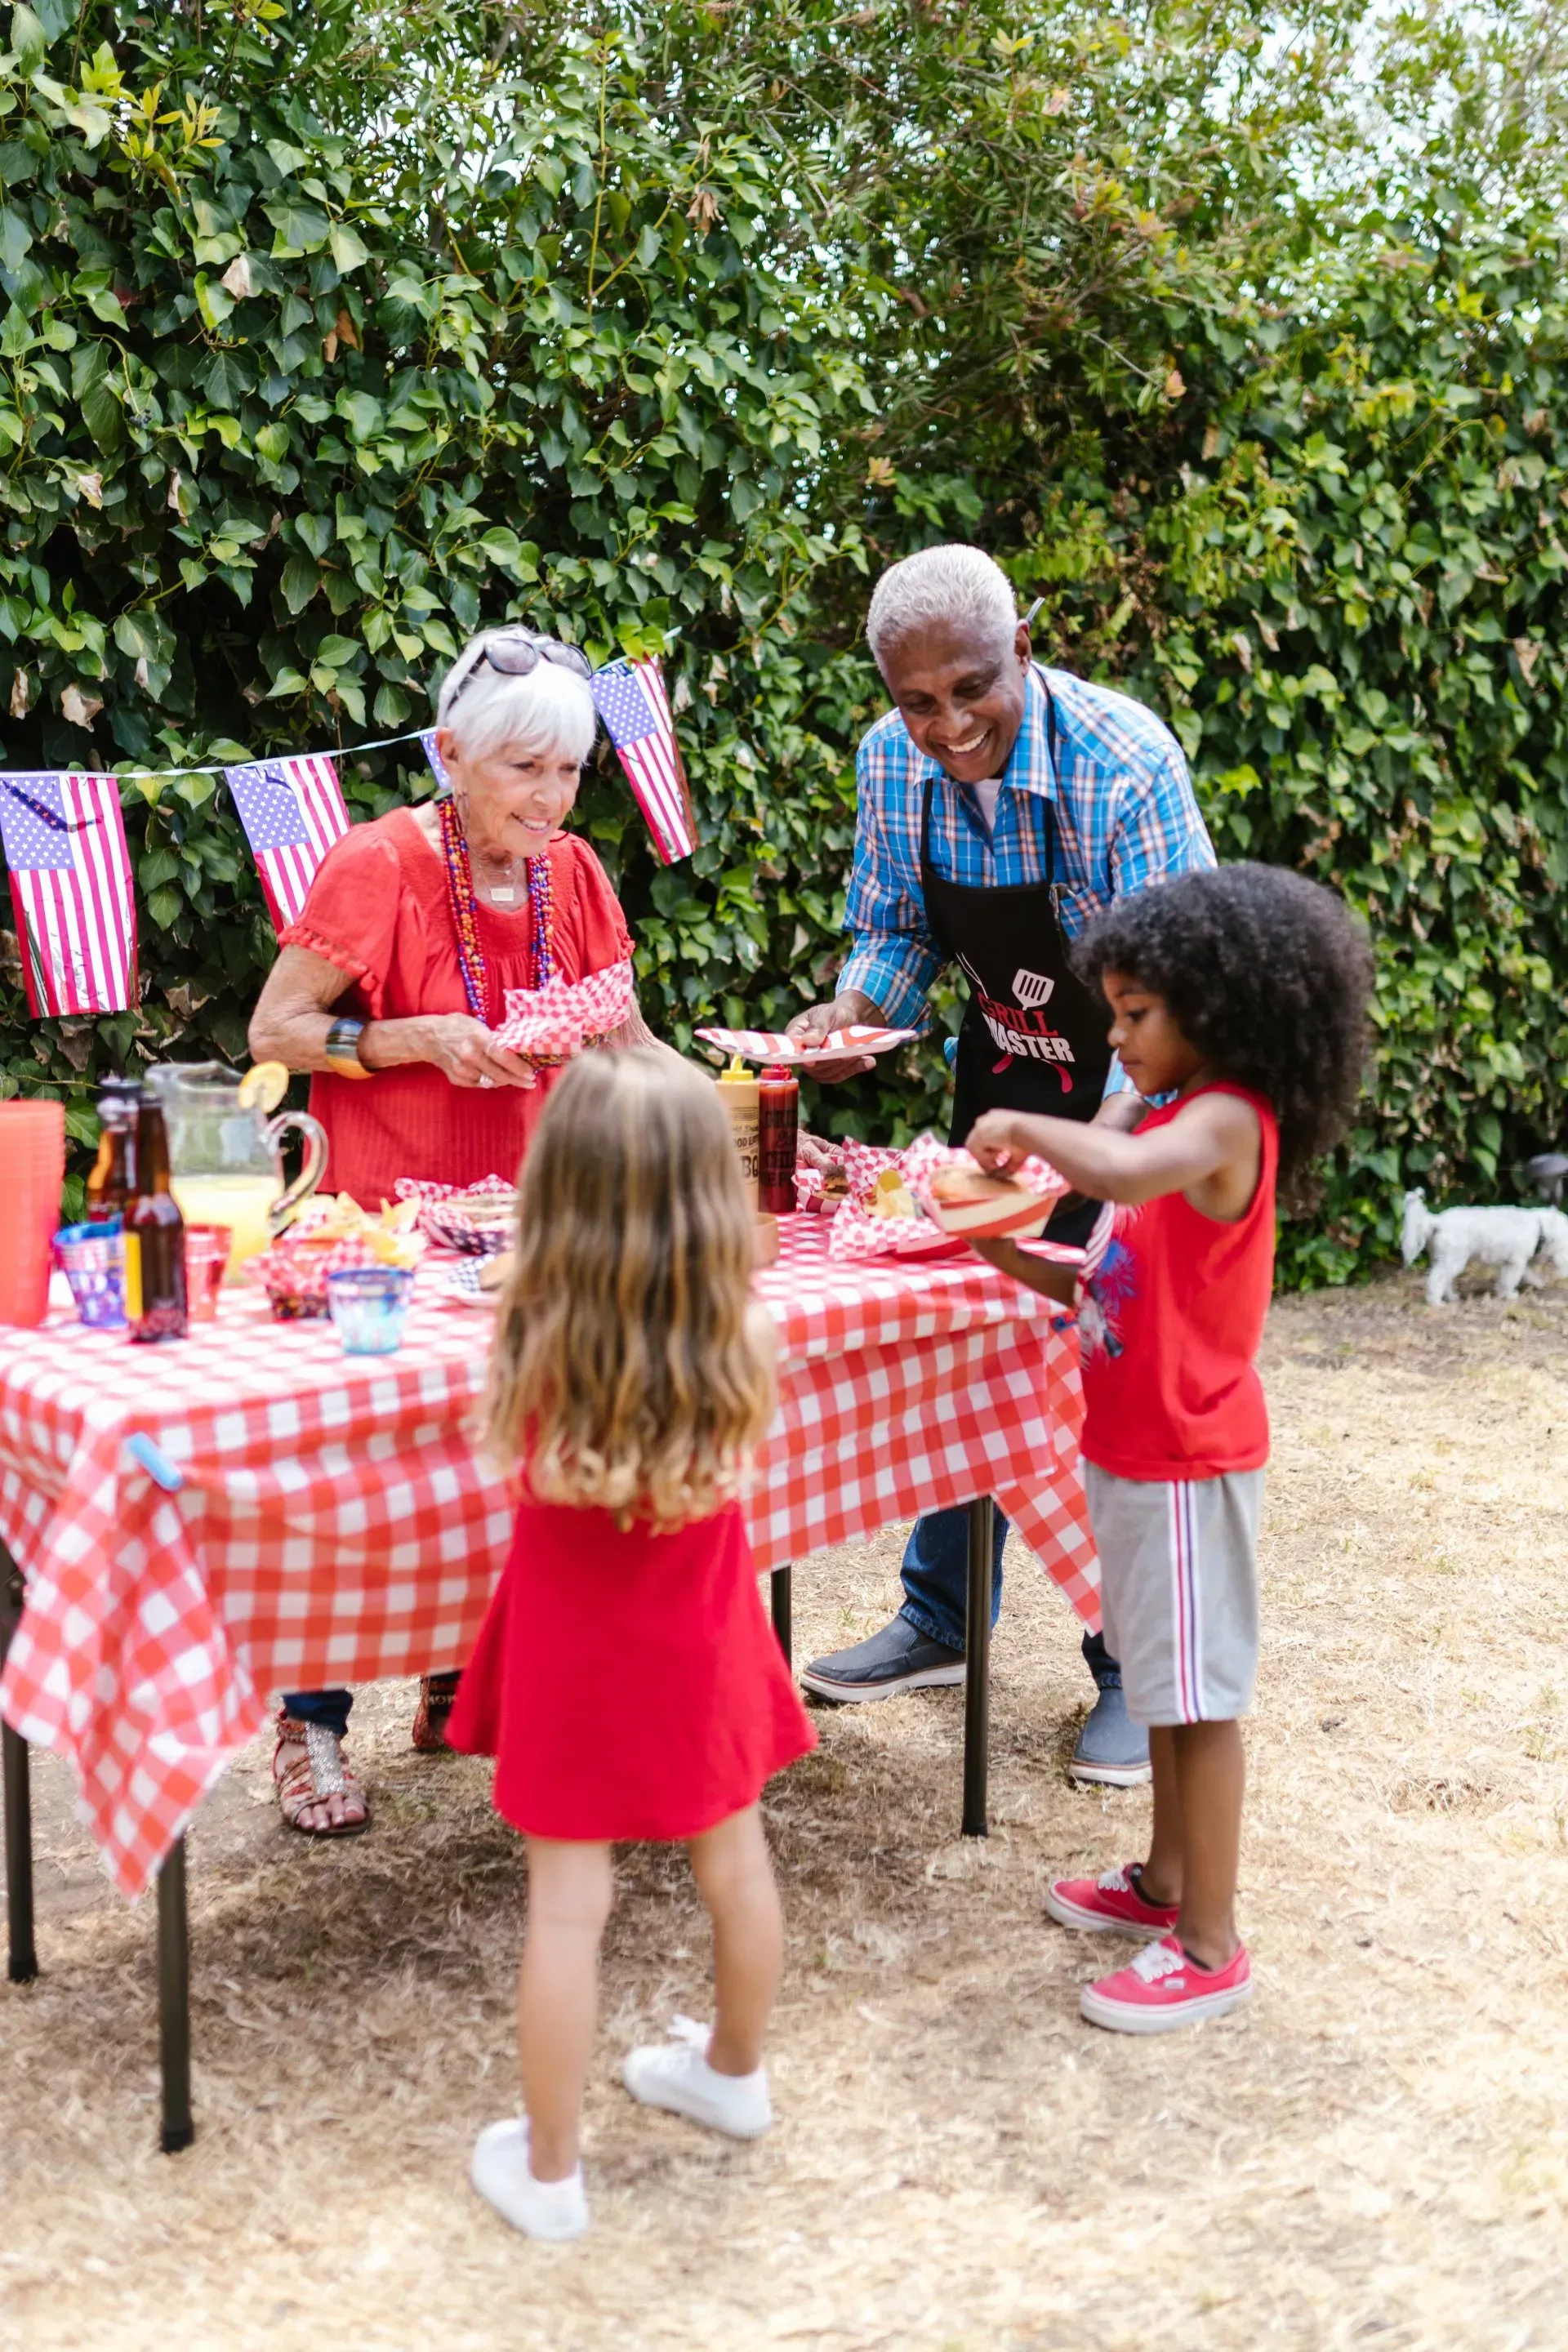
<point>421,1187</point>
<point>857,1163</point>
<point>857,1236</point>
<point>476,1219</point>
<point>548,1025</point>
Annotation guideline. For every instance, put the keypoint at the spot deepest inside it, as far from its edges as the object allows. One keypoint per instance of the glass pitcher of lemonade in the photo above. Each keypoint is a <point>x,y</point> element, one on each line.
<point>227,1162</point>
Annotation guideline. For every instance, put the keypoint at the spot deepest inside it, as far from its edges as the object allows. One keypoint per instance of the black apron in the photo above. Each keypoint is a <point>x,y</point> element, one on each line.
<point>1034,1038</point>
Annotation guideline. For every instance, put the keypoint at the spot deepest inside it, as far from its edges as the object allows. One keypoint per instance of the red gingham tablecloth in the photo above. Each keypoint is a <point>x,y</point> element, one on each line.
<point>333,1525</point>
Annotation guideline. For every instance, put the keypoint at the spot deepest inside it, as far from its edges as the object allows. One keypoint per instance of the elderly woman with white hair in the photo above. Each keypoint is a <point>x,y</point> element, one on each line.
<point>387,990</point>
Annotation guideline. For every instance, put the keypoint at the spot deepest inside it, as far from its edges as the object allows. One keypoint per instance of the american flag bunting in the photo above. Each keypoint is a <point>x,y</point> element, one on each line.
<point>437,765</point>
<point>70,889</point>
<point>292,812</point>
<point>630,699</point>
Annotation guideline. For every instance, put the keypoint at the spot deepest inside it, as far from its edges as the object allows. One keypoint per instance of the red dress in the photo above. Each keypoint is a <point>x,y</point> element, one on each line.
<point>378,908</point>
<point>628,1683</point>
<point>1170,1324</point>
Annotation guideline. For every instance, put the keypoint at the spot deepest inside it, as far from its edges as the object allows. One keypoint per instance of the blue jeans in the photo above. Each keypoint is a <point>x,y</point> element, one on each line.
<point>936,1584</point>
<point>329,1708</point>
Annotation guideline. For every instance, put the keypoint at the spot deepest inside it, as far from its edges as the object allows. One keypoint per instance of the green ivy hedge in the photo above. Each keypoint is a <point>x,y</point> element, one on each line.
<point>1351,605</point>
<point>329,331</point>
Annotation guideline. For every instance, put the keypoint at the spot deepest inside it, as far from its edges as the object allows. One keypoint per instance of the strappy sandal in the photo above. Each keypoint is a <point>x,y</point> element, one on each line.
<point>436,1696</point>
<point>321,1772</point>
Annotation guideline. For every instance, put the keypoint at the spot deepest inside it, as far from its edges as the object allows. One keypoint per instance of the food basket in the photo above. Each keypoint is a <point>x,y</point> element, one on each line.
<point>549,1025</point>
<point>294,1275</point>
<point>860,1234</point>
<point>329,1236</point>
<point>476,1219</point>
<point>477,1229</point>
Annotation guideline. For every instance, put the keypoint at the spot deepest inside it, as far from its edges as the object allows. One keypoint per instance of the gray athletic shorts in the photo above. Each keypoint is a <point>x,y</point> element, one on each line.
<point>1178,1565</point>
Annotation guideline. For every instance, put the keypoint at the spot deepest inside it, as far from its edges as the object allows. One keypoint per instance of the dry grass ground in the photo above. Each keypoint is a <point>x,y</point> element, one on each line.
<point>1377,2153</point>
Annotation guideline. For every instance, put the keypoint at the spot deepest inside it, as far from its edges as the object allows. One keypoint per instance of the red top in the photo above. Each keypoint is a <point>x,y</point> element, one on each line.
<point>379,909</point>
<point>1170,1324</point>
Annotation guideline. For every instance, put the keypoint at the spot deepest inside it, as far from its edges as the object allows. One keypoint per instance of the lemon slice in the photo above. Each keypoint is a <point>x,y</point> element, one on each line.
<point>264,1088</point>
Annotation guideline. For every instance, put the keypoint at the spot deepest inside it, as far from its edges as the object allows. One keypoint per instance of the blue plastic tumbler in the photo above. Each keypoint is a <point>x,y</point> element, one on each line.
<point>369,1303</point>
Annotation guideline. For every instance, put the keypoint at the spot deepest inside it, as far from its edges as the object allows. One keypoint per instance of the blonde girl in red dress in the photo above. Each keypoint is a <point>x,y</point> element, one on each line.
<point>627,1680</point>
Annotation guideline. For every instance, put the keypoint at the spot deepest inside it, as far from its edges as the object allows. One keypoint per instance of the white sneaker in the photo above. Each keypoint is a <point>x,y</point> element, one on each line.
<point>676,2074</point>
<point>556,2210</point>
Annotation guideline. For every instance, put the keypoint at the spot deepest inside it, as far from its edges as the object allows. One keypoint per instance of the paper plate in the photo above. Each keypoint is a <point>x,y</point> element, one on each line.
<point>460,1287</point>
<point>1016,1215</point>
<point>772,1046</point>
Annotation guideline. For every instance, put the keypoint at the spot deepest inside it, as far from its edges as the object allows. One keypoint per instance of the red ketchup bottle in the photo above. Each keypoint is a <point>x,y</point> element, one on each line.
<point>778,1125</point>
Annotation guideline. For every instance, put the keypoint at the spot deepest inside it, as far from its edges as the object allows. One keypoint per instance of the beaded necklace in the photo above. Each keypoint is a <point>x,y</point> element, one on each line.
<point>465,916</point>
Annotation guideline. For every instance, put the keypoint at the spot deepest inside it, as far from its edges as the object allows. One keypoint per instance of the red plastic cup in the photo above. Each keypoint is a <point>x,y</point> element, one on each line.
<point>32,1169</point>
<point>32,1110</point>
<point>207,1261</point>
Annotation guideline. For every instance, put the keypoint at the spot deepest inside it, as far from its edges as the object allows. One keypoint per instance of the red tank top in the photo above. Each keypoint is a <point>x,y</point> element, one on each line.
<point>1170,1323</point>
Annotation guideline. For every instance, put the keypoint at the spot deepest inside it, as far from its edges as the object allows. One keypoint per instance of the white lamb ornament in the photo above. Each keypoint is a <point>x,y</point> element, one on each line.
<point>1507,1238</point>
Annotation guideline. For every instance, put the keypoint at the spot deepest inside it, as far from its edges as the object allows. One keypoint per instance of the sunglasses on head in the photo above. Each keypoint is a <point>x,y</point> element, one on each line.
<point>514,652</point>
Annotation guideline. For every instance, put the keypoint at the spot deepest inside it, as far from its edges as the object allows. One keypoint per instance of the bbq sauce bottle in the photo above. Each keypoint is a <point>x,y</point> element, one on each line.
<point>113,1182</point>
<point>154,1237</point>
<point>739,1098</point>
<point>778,1121</point>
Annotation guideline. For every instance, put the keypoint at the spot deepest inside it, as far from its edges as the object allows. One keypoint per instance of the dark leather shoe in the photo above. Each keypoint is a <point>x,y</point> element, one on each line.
<point>897,1659</point>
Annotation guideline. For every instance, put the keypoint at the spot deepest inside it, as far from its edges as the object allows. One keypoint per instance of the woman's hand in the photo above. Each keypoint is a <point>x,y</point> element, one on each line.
<point>466,1052</point>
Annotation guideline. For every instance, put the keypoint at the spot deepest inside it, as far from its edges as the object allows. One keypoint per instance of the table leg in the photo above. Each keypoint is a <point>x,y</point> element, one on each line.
<point>23,1965</point>
<point>977,1669</point>
<point>174,2002</point>
<point>783,1587</point>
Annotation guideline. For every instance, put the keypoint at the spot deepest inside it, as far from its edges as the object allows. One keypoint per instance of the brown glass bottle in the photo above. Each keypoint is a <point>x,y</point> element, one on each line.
<point>113,1182</point>
<point>778,1124</point>
<point>154,1237</point>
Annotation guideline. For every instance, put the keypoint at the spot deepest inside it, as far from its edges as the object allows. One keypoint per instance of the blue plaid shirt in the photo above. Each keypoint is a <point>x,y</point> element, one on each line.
<point>1125,817</point>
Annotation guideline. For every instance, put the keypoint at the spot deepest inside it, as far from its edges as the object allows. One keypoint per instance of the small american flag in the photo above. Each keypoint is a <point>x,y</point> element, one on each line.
<point>630,699</point>
<point>71,888</point>
<point>292,813</point>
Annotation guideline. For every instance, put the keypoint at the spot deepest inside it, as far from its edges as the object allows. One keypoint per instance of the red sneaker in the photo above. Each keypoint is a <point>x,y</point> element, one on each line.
<point>1162,1990</point>
<point>1112,1901</point>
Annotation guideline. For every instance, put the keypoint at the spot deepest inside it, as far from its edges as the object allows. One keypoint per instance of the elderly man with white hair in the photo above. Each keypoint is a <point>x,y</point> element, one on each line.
<point>1001,805</point>
<point>389,986</point>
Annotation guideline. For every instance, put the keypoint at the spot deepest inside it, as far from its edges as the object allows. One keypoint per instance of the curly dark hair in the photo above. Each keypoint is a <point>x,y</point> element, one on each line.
<point>1269,976</point>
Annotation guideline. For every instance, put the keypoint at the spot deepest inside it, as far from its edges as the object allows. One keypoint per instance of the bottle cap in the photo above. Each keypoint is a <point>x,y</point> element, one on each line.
<point>735,1070</point>
<point>779,1070</point>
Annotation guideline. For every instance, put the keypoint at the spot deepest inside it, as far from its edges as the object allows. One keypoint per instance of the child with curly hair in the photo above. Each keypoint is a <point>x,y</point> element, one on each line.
<point>627,1680</point>
<point>1241,995</point>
